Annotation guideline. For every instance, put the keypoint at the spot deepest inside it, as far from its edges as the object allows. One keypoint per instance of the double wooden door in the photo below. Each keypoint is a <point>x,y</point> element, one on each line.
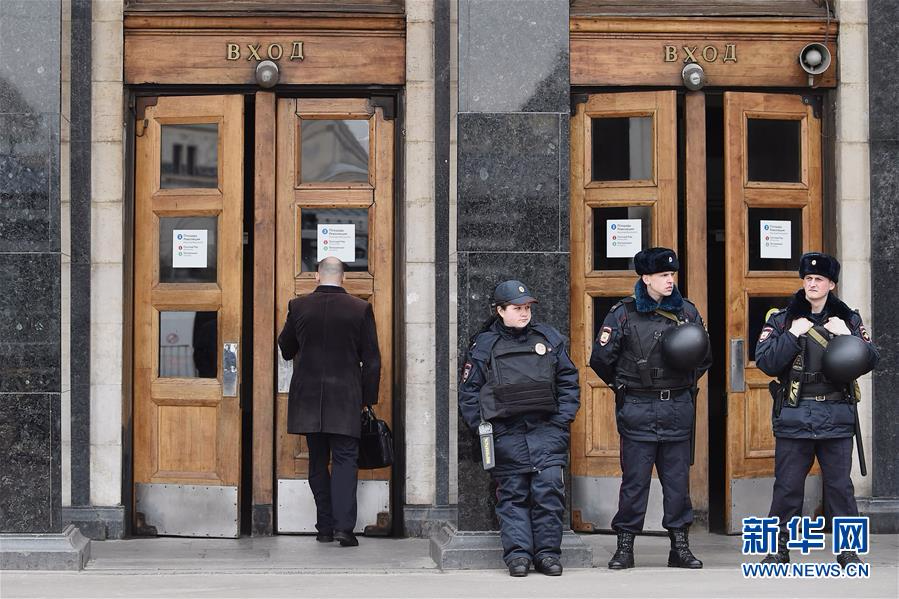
<point>625,197</point>
<point>331,193</point>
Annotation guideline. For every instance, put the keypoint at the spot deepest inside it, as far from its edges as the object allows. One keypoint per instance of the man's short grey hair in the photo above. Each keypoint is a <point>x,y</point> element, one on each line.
<point>331,266</point>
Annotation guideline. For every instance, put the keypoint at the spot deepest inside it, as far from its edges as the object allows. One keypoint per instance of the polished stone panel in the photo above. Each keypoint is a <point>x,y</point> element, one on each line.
<point>513,56</point>
<point>30,498</point>
<point>883,54</point>
<point>29,56</point>
<point>509,182</point>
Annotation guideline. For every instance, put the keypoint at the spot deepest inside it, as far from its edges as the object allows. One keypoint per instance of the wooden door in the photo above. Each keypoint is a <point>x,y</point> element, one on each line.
<point>623,199</point>
<point>187,288</point>
<point>773,213</point>
<point>335,170</point>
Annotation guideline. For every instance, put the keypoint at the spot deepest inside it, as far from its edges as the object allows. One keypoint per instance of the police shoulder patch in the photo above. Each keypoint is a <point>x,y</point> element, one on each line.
<point>605,335</point>
<point>466,371</point>
<point>766,332</point>
<point>864,333</point>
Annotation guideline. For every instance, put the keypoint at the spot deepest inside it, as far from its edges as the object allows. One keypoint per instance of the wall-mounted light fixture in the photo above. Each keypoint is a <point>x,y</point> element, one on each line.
<point>693,76</point>
<point>267,74</point>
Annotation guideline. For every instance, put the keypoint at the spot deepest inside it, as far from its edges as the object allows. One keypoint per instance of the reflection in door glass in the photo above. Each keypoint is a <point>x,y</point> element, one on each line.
<point>601,307</point>
<point>759,307</point>
<point>188,249</point>
<point>775,238</point>
<point>622,148</point>
<point>774,149</point>
<point>618,234</point>
<point>341,232</point>
<point>334,151</point>
<point>189,156</point>
<point>188,344</point>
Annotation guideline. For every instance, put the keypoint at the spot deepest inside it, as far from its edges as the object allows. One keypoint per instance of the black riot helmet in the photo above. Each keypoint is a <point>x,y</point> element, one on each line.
<point>685,346</point>
<point>846,358</point>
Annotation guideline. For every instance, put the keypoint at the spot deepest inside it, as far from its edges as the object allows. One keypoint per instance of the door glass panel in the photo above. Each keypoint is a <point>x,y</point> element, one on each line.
<point>341,232</point>
<point>622,148</point>
<point>189,156</point>
<point>334,151</point>
<point>758,312</point>
<point>774,150</point>
<point>618,234</point>
<point>188,252</point>
<point>775,238</point>
<point>601,307</point>
<point>188,344</point>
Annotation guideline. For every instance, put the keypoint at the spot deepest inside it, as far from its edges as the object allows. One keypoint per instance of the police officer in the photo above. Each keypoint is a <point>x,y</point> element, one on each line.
<point>518,378</point>
<point>654,402</point>
<point>813,416</point>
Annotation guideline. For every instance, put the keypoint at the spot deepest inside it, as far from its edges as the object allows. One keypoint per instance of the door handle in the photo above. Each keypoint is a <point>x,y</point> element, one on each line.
<point>229,370</point>
<point>737,372</point>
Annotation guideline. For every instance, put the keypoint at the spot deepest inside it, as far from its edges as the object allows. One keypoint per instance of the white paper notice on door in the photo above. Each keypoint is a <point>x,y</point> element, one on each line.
<point>189,248</point>
<point>624,237</point>
<point>776,238</point>
<point>337,240</point>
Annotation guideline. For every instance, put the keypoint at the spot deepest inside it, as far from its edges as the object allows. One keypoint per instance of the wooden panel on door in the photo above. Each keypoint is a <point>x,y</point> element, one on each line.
<point>335,166</point>
<point>623,174</point>
<point>773,213</point>
<point>187,288</point>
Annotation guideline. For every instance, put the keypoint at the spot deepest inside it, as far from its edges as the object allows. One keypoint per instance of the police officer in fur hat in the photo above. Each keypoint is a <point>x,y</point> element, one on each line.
<point>813,415</point>
<point>654,403</point>
<point>519,381</point>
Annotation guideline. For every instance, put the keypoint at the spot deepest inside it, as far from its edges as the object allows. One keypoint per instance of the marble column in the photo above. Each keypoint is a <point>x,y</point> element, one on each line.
<point>512,215</point>
<point>32,534</point>
<point>883,55</point>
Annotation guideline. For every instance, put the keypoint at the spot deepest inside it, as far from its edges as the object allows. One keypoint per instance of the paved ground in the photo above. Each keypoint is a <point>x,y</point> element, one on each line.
<point>287,566</point>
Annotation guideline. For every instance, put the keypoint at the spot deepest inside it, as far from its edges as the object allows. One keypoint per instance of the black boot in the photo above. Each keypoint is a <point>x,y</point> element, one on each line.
<point>680,555</point>
<point>783,552</point>
<point>624,555</point>
<point>848,557</point>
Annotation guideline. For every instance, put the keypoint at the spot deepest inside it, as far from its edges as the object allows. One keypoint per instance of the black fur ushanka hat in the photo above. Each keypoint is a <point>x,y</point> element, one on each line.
<point>816,263</point>
<point>653,260</point>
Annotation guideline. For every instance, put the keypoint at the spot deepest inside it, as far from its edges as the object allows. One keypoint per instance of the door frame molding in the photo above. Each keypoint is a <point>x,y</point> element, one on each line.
<point>385,96</point>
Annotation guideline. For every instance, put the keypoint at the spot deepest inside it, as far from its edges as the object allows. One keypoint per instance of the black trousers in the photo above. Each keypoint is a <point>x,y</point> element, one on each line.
<point>793,458</point>
<point>530,508</point>
<point>672,462</point>
<point>334,491</point>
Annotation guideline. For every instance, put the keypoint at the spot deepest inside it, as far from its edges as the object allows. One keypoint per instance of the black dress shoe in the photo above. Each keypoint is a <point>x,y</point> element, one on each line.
<point>324,537</point>
<point>519,566</point>
<point>549,566</point>
<point>346,538</point>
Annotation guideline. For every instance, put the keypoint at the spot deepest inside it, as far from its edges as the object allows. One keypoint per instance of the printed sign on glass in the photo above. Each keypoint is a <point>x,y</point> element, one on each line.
<point>189,248</point>
<point>776,238</point>
<point>623,237</point>
<point>338,241</point>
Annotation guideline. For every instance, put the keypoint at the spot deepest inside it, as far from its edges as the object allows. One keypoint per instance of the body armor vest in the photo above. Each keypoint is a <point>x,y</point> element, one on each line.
<point>521,378</point>
<point>641,365</point>
<point>806,375</point>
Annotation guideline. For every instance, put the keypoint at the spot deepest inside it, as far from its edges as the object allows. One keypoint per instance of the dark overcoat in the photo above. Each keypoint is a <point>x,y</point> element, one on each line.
<point>331,338</point>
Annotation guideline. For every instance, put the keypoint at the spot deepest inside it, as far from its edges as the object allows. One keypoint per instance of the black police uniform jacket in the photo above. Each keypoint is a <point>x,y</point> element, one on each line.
<point>633,328</point>
<point>775,352</point>
<point>525,442</point>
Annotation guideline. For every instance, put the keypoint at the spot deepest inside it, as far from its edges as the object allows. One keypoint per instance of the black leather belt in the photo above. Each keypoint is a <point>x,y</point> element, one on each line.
<point>660,394</point>
<point>833,396</point>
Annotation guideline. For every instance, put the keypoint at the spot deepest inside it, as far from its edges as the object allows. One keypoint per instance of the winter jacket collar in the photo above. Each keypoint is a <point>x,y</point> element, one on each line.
<point>645,303</point>
<point>801,308</point>
<point>516,333</point>
<point>329,289</point>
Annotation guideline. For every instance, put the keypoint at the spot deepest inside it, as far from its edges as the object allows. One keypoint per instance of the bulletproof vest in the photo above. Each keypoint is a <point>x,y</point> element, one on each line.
<point>640,365</point>
<point>521,378</point>
<point>813,381</point>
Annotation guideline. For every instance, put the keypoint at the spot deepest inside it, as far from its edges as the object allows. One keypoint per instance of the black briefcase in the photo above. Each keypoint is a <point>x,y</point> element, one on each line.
<point>375,442</point>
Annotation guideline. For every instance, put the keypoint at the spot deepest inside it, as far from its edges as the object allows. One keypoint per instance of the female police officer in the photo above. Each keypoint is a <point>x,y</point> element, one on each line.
<point>519,379</point>
<point>654,401</point>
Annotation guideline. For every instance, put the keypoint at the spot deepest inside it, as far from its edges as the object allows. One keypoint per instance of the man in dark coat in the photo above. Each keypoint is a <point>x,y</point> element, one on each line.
<point>331,338</point>
<point>654,403</point>
<point>813,416</point>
